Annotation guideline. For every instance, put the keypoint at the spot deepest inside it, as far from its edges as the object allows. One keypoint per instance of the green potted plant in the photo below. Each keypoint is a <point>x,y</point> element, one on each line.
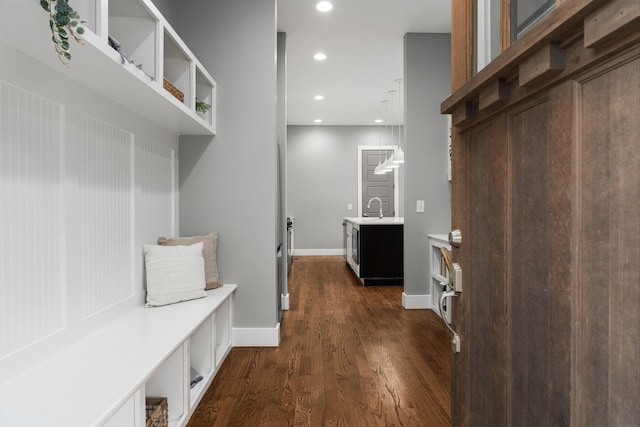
<point>202,107</point>
<point>64,23</point>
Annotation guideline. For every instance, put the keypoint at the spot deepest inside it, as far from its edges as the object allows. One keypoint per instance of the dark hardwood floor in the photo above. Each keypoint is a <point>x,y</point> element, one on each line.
<point>349,356</point>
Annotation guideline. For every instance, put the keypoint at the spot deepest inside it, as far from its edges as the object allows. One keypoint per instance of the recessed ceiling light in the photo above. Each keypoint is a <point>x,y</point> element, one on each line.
<point>318,97</point>
<point>317,121</point>
<point>319,56</point>
<point>378,120</point>
<point>324,6</point>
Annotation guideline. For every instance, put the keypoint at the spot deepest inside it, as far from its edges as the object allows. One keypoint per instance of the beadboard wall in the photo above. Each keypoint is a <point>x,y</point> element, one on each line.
<point>84,184</point>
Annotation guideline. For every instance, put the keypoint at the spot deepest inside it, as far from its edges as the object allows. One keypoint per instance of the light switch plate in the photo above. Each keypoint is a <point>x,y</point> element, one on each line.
<point>420,206</point>
<point>349,206</point>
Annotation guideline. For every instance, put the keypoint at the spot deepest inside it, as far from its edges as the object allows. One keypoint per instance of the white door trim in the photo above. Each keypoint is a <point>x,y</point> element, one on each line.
<point>396,202</point>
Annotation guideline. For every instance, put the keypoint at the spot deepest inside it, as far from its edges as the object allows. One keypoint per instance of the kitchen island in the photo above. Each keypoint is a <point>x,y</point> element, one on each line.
<point>373,248</point>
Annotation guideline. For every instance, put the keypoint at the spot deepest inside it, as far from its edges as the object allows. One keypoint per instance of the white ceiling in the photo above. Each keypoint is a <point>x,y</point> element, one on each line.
<point>363,41</point>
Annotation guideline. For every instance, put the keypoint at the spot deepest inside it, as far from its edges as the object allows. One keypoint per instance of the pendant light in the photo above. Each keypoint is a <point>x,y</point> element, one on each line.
<point>390,164</point>
<point>398,157</point>
<point>384,167</point>
<point>378,170</point>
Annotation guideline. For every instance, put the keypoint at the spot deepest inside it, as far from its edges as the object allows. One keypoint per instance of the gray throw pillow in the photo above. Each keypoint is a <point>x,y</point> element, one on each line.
<point>210,242</point>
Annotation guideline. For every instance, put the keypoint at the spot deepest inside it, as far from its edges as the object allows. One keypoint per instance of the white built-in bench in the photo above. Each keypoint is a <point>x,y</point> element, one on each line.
<point>104,378</point>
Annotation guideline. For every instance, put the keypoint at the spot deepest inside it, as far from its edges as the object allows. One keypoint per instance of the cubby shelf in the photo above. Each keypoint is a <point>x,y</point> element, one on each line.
<point>153,46</point>
<point>437,273</point>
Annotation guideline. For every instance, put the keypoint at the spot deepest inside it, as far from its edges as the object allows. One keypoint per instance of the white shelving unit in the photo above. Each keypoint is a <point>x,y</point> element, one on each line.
<point>438,275</point>
<point>171,381</point>
<point>104,378</point>
<point>222,334</point>
<point>153,46</point>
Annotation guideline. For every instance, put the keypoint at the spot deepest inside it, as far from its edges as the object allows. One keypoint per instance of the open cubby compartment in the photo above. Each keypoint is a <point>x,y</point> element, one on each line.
<point>437,263</point>
<point>437,289</point>
<point>201,356</point>
<point>177,65</point>
<point>136,29</point>
<point>206,92</point>
<point>128,412</point>
<point>222,320</point>
<point>171,380</point>
<point>89,11</point>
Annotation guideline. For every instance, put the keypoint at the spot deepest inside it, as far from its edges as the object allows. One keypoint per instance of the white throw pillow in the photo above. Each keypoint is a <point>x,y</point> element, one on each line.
<point>174,273</point>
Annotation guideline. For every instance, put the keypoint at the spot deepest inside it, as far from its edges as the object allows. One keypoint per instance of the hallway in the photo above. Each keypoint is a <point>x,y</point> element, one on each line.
<point>349,356</point>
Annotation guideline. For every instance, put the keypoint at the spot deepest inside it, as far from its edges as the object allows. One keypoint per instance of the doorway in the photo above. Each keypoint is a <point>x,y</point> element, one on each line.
<point>370,185</point>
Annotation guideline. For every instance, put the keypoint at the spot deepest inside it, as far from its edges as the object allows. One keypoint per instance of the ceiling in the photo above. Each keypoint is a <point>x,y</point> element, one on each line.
<point>363,41</point>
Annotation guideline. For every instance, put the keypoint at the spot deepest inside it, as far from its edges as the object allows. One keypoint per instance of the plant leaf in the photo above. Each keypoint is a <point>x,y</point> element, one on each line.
<point>63,22</point>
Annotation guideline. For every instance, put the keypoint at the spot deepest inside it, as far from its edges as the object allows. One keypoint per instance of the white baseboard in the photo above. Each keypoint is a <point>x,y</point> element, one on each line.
<point>416,301</point>
<point>256,337</point>
<point>317,252</point>
<point>285,301</point>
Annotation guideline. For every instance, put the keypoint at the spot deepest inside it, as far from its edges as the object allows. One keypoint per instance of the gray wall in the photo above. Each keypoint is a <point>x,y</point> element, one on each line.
<point>323,179</point>
<point>427,83</point>
<point>282,147</point>
<point>228,183</point>
<point>167,8</point>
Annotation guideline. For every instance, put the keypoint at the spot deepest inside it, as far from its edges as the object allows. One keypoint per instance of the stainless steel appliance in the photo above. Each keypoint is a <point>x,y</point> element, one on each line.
<point>290,230</point>
<point>355,249</point>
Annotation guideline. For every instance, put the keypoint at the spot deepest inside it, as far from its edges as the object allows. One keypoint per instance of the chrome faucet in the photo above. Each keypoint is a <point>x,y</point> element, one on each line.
<point>379,202</point>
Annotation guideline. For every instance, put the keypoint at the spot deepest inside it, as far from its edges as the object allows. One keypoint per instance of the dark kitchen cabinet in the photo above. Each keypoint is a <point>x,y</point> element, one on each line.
<point>381,254</point>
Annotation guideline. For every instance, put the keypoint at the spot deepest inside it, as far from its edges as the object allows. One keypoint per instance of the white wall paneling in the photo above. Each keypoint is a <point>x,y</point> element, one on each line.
<point>105,216</point>
<point>81,195</point>
<point>155,178</point>
<point>155,195</point>
<point>32,274</point>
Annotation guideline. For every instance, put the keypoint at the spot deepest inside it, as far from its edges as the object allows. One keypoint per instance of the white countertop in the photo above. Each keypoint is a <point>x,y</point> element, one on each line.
<point>374,220</point>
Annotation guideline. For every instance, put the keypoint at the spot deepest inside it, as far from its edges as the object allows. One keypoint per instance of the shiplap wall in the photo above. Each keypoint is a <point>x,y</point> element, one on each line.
<point>80,196</point>
<point>32,259</point>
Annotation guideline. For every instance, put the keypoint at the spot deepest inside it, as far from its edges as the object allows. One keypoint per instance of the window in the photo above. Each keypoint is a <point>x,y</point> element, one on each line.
<point>525,13</point>
<point>487,32</point>
<point>497,23</point>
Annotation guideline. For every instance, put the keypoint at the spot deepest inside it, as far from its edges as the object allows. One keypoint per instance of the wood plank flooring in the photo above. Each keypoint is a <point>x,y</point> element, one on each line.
<point>349,356</point>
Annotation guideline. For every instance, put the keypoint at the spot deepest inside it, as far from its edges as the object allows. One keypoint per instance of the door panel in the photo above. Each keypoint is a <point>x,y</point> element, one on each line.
<point>529,286</point>
<point>479,370</point>
<point>484,291</point>
<point>609,254</point>
<point>540,257</point>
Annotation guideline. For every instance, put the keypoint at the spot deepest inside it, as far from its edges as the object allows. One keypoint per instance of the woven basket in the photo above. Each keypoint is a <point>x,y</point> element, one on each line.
<point>157,412</point>
<point>169,87</point>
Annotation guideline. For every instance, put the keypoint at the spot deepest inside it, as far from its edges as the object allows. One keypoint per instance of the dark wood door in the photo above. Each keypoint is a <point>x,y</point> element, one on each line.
<point>550,201</point>
<point>546,192</point>
<point>514,312</point>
